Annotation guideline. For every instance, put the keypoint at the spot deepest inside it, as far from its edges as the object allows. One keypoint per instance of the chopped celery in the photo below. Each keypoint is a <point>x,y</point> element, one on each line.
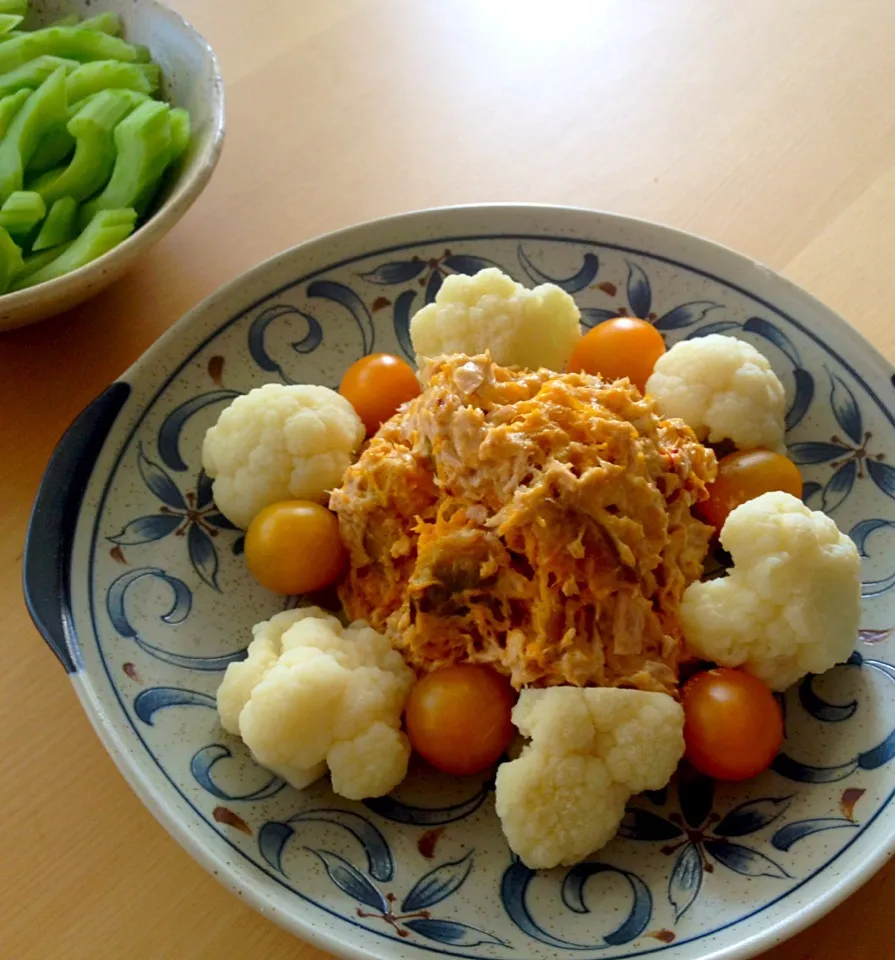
<point>98,75</point>
<point>103,22</point>
<point>180,132</point>
<point>106,230</point>
<point>9,21</point>
<point>9,107</point>
<point>33,73</point>
<point>60,225</point>
<point>37,261</point>
<point>143,143</point>
<point>42,109</point>
<point>22,212</point>
<point>10,260</point>
<point>143,54</point>
<point>94,158</point>
<point>69,42</point>
<point>16,7</point>
<point>55,147</point>
<point>133,98</point>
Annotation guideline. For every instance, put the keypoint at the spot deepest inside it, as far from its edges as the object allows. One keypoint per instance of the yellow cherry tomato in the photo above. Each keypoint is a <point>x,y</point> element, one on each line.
<point>294,547</point>
<point>376,386</point>
<point>622,347</point>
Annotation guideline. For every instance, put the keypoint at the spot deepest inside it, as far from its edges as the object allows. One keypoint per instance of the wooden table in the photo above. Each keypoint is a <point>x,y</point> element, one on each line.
<point>765,126</point>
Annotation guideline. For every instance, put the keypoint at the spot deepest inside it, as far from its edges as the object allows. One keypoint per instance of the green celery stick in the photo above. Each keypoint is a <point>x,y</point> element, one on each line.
<point>9,107</point>
<point>133,98</point>
<point>42,109</point>
<point>103,22</point>
<point>22,212</point>
<point>153,74</point>
<point>90,78</point>
<point>94,158</point>
<point>36,261</point>
<point>105,231</point>
<point>70,20</point>
<point>55,147</point>
<point>180,132</point>
<point>70,42</point>
<point>143,54</point>
<point>60,225</point>
<point>10,260</point>
<point>9,21</point>
<point>16,7</point>
<point>143,143</point>
<point>32,74</point>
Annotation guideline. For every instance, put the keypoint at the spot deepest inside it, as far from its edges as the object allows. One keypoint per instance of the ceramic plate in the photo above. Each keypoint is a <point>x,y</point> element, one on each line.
<point>138,585</point>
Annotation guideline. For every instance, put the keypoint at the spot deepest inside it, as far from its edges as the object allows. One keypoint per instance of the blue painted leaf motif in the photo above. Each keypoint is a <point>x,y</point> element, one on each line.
<point>744,860</point>
<point>159,482</point>
<point>879,755</point>
<point>792,769</point>
<point>685,315</point>
<point>438,884</point>
<point>719,326</point>
<point>594,316</point>
<point>640,296</point>
<point>839,486</point>
<point>238,546</point>
<point>169,433</point>
<point>203,555</point>
<point>202,764</point>
<point>883,476</point>
<point>807,453</point>
<point>380,864</point>
<point>147,529</point>
<point>220,521</point>
<point>776,336</point>
<point>272,839</point>
<point>789,835</point>
<point>312,339</point>
<point>752,816</point>
<point>810,490</point>
<point>452,932</point>
<point>204,490</point>
<point>819,708</point>
<point>685,880</point>
<point>846,409</point>
<point>397,271</point>
<point>801,401</point>
<point>148,702</point>
<point>398,812</point>
<point>513,890</point>
<point>860,532</point>
<point>640,824</point>
<point>583,278</point>
<point>466,263</point>
<point>350,880</point>
<point>641,908</point>
<point>346,297</point>
<point>433,286</point>
<point>696,793</point>
<point>401,322</point>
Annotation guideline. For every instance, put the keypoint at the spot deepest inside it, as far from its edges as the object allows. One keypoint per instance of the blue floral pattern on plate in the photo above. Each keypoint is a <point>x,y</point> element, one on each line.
<point>167,606</point>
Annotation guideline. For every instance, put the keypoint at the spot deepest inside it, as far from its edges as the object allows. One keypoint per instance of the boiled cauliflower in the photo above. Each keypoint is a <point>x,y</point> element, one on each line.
<point>490,312</point>
<point>790,605</point>
<point>313,694</point>
<point>279,443</point>
<point>723,389</point>
<point>591,749</point>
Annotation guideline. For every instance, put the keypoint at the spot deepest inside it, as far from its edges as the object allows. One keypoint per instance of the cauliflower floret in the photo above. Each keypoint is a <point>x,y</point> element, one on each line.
<point>311,694</point>
<point>279,443</point>
<point>591,749</point>
<point>791,604</point>
<point>723,389</point>
<point>491,312</point>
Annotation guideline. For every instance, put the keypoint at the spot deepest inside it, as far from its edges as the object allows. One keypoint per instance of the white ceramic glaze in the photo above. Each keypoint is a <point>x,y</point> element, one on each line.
<point>192,80</point>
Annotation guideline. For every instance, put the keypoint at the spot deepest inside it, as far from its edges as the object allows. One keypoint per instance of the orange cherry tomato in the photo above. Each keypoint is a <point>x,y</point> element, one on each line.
<point>745,475</point>
<point>458,718</point>
<point>623,347</point>
<point>294,547</point>
<point>376,386</point>
<point>733,726</point>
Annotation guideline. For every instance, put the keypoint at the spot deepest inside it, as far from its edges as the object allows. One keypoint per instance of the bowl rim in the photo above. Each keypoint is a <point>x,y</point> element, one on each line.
<point>181,198</point>
<point>240,876</point>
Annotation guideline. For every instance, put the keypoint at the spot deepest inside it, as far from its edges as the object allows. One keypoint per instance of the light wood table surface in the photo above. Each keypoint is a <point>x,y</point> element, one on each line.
<point>767,126</point>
